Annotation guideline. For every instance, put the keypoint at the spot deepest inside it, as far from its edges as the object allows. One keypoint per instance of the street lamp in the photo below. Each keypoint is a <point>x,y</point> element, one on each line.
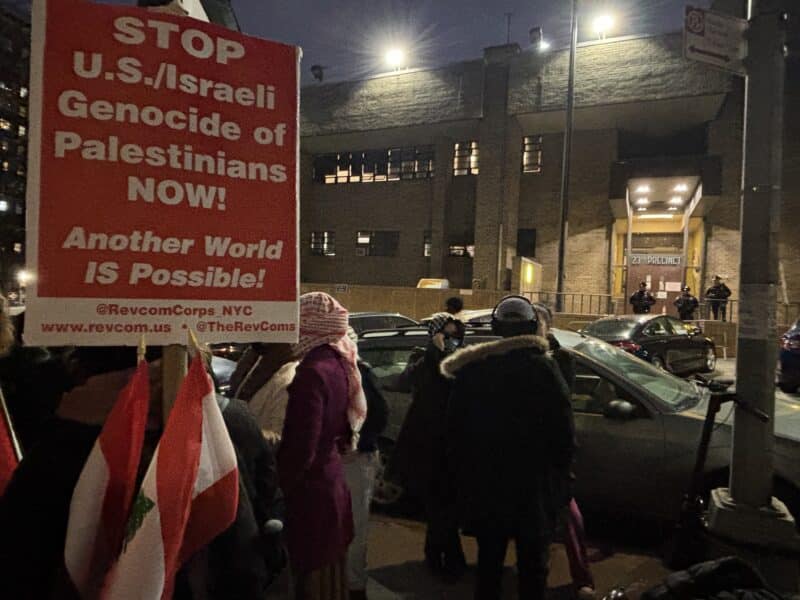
<point>395,58</point>
<point>602,24</point>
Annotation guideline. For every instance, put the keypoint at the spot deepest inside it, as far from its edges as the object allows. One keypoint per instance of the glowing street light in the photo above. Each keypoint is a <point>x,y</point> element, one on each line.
<point>23,278</point>
<point>395,58</point>
<point>602,24</point>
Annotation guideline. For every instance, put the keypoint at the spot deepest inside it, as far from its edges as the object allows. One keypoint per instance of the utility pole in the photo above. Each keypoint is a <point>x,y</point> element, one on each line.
<point>737,513</point>
<point>567,158</point>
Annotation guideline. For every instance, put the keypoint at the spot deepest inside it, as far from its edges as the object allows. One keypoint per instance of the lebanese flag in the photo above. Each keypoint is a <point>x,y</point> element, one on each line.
<point>189,495</point>
<point>102,498</point>
<point>9,449</point>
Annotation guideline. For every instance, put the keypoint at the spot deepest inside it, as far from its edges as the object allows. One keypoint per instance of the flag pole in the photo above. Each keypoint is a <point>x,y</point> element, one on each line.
<point>9,424</point>
<point>141,352</point>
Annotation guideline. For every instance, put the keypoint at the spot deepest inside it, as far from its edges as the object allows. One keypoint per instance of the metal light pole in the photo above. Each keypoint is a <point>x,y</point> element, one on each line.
<point>566,158</point>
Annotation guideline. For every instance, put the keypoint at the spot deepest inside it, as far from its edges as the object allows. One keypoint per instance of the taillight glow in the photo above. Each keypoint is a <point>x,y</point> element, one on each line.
<point>627,346</point>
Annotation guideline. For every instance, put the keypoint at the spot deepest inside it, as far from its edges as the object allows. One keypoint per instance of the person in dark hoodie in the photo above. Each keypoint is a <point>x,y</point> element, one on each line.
<point>420,458</point>
<point>510,446</point>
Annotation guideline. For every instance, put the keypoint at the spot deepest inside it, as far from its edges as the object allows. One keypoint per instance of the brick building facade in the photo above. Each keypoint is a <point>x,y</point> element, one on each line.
<point>452,172</point>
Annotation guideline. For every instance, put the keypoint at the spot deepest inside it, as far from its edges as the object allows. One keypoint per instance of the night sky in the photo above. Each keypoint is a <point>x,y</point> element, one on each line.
<point>350,37</point>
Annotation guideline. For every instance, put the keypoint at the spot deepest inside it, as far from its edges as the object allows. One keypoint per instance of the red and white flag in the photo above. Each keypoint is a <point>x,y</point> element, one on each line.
<point>102,498</point>
<point>188,497</point>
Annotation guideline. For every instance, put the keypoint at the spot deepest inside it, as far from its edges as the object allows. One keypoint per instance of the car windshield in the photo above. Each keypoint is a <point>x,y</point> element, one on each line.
<point>613,329</point>
<point>673,391</point>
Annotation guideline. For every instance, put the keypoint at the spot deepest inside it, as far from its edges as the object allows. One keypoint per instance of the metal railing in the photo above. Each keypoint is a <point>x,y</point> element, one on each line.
<point>605,304</point>
<point>576,303</point>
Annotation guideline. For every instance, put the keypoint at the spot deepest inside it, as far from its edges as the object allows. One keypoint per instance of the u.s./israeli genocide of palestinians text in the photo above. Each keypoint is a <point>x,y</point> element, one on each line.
<point>192,125</point>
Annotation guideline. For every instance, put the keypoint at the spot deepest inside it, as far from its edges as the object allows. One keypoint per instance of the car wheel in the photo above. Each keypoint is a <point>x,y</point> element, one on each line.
<point>658,363</point>
<point>386,492</point>
<point>710,362</point>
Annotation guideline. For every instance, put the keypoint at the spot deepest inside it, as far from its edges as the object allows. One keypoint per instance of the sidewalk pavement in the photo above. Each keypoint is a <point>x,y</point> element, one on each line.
<point>397,571</point>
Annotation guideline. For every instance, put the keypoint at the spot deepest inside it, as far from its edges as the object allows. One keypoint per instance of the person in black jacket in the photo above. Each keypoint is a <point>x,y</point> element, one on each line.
<point>510,445</point>
<point>717,297</point>
<point>360,469</point>
<point>642,300</point>
<point>420,458</point>
<point>686,304</point>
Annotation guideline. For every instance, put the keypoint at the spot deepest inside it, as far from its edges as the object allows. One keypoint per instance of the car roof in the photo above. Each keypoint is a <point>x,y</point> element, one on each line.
<point>378,314</point>
<point>416,336</point>
<point>639,319</point>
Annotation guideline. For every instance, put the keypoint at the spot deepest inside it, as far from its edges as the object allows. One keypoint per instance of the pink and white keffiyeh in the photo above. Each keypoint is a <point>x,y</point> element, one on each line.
<point>324,321</point>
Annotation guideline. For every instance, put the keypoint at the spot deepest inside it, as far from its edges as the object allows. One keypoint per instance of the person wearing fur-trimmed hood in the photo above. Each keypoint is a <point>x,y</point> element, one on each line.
<point>510,447</point>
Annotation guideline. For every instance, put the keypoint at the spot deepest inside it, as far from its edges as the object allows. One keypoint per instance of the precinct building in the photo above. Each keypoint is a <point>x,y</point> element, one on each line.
<point>453,172</point>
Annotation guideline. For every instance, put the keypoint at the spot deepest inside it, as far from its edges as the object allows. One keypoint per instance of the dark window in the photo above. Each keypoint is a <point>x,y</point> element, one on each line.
<point>427,244</point>
<point>377,243</point>
<point>593,393</point>
<point>467,251</point>
<point>532,154</point>
<point>323,243</point>
<point>526,243</point>
<point>369,166</point>
<point>466,158</point>
<point>656,328</point>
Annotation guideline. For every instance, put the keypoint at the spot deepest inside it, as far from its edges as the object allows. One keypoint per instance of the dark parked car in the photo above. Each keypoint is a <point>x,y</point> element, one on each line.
<point>665,341</point>
<point>789,375</point>
<point>369,321</point>
<point>638,426</point>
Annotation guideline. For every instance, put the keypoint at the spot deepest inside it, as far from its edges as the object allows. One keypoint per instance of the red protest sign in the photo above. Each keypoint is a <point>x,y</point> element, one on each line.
<point>162,187</point>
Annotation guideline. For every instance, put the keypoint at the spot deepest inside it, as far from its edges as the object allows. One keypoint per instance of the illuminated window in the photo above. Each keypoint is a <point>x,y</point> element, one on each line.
<point>427,244</point>
<point>371,166</point>
<point>4,146</point>
<point>18,248</point>
<point>5,124</point>
<point>466,158</point>
<point>377,243</point>
<point>22,130</point>
<point>466,251</point>
<point>3,205</point>
<point>23,92</point>
<point>23,111</point>
<point>532,154</point>
<point>5,165</point>
<point>323,243</point>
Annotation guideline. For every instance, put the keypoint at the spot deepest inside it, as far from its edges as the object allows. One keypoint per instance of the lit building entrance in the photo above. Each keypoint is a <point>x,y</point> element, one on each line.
<point>659,239</point>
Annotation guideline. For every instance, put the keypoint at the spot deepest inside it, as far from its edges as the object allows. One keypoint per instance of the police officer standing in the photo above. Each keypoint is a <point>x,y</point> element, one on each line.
<point>717,297</point>
<point>686,304</point>
<point>642,300</point>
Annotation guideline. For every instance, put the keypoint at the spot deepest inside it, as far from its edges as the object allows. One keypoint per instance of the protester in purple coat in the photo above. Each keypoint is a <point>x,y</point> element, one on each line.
<point>325,411</point>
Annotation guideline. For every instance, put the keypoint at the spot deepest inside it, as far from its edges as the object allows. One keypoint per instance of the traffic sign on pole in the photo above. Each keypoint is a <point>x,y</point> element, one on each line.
<point>716,39</point>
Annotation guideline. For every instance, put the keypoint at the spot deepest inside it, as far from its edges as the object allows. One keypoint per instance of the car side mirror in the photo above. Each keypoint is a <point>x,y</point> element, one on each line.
<point>619,410</point>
